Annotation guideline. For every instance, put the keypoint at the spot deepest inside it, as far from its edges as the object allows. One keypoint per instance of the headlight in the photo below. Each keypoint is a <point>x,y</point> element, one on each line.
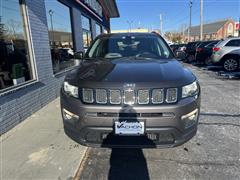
<point>70,89</point>
<point>190,90</point>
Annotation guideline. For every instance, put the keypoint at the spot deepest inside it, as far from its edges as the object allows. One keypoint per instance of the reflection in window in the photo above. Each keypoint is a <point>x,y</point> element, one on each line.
<point>87,34</point>
<point>15,64</point>
<point>98,29</point>
<point>60,35</point>
<point>105,31</point>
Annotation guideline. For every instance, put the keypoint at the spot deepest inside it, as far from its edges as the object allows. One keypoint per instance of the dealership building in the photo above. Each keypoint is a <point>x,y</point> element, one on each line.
<point>38,39</point>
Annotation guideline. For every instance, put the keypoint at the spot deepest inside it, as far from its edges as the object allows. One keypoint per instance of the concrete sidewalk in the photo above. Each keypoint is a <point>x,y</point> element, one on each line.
<point>38,148</point>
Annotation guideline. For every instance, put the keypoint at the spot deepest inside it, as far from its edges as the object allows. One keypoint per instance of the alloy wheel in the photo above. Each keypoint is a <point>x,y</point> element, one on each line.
<point>230,64</point>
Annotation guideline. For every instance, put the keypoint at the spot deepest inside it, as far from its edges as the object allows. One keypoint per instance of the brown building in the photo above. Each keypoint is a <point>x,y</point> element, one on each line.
<point>215,30</point>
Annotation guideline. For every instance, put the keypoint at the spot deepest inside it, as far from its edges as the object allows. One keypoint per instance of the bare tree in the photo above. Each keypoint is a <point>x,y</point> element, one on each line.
<point>13,28</point>
<point>2,31</point>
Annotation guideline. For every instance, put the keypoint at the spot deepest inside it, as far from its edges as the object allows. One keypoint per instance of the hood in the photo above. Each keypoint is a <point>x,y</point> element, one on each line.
<point>141,71</point>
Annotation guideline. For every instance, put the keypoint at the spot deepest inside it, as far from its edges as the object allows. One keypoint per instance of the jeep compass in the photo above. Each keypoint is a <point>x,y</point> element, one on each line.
<point>129,91</point>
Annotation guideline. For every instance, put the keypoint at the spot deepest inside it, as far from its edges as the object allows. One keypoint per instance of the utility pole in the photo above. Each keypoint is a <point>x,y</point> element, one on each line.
<point>190,20</point>
<point>51,18</point>
<point>201,20</point>
<point>239,27</point>
<point>139,25</point>
<point>183,29</point>
<point>161,25</point>
<point>130,25</point>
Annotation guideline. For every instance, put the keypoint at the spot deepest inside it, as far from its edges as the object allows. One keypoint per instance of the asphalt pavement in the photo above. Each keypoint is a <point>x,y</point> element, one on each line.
<point>38,148</point>
<point>214,153</point>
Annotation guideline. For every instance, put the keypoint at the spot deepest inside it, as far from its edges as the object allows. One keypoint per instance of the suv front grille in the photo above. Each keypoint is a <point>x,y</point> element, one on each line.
<point>143,96</point>
<point>115,97</point>
<point>131,96</point>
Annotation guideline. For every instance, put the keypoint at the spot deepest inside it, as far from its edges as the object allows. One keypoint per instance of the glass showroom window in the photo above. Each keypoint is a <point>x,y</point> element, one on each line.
<point>15,64</point>
<point>60,35</point>
<point>87,34</point>
<point>98,30</point>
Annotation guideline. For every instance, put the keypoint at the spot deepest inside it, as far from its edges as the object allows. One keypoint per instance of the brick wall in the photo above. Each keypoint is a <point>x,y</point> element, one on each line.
<point>223,32</point>
<point>17,105</point>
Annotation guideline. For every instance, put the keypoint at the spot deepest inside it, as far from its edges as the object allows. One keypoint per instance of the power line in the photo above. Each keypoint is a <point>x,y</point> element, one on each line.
<point>185,18</point>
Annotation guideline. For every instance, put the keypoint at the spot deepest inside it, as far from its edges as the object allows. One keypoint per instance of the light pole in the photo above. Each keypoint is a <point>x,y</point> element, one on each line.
<point>161,24</point>
<point>1,23</point>
<point>130,25</point>
<point>201,20</point>
<point>239,27</point>
<point>190,20</point>
<point>51,19</point>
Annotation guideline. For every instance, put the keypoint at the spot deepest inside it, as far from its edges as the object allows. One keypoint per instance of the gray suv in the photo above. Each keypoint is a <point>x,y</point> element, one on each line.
<point>129,91</point>
<point>222,54</point>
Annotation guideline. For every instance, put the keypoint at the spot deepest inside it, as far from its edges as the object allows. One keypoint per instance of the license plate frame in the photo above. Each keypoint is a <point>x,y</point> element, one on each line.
<point>129,127</point>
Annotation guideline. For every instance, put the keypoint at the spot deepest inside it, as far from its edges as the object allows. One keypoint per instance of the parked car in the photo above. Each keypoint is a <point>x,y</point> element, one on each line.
<point>178,47</point>
<point>222,54</point>
<point>174,47</point>
<point>191,50</point>
<point>129,91</point>
<point>180,52</point>
<point>204,51</point>
<point>182,47</point>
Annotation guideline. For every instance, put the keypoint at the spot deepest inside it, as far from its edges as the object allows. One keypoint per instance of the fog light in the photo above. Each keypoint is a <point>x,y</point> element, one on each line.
<point>190,118</point>
<point>68,115</point>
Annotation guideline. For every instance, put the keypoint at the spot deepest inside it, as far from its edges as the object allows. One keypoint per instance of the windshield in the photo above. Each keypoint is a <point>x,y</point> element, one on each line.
<point>120,46</point>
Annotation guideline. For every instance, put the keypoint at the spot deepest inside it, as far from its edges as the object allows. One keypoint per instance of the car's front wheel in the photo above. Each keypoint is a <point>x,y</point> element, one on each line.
<point>207,61</point>
<point>230,64</point>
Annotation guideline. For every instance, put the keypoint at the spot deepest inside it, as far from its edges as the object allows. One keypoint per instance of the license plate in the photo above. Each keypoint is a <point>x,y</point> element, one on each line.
<point>129,128</point>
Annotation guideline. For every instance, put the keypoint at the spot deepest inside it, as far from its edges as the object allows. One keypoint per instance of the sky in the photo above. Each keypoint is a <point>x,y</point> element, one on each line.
<point>175,13</point>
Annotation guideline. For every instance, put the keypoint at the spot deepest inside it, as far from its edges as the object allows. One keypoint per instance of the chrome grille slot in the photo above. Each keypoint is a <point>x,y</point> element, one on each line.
<point>101,96</point>
<point>157,96</point>
<point>143,97</point>
<point>129,97</point>
<point>115,97</point>
<point>171,95</point>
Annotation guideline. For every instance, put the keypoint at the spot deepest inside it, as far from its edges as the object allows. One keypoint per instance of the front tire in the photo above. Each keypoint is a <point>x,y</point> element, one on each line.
<point>230,64</point>
<point>207,61</point>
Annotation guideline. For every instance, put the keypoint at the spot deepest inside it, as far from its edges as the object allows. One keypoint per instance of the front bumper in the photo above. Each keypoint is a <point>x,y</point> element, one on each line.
<point>163,124</point>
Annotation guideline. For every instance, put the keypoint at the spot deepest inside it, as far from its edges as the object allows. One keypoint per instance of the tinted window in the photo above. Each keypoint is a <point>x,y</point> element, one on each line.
<point>98,29</point>
<point>125,46</point>
<point>15,61</point>
<point>234,43</point>
<point>60,35</point>
<point>87,34</point>
<point>212,44</point>
<point>203,44</point>
<point>190,44</point>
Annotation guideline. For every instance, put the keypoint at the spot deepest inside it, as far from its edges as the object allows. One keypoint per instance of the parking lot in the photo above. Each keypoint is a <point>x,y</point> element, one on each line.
<point>212,154</point>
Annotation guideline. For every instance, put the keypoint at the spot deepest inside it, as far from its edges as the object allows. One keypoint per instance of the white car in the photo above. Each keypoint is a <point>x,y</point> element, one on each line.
<point>222,54</point>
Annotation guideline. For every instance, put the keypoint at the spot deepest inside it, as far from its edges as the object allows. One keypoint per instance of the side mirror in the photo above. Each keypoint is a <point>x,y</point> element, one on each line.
<point>78,55</point>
